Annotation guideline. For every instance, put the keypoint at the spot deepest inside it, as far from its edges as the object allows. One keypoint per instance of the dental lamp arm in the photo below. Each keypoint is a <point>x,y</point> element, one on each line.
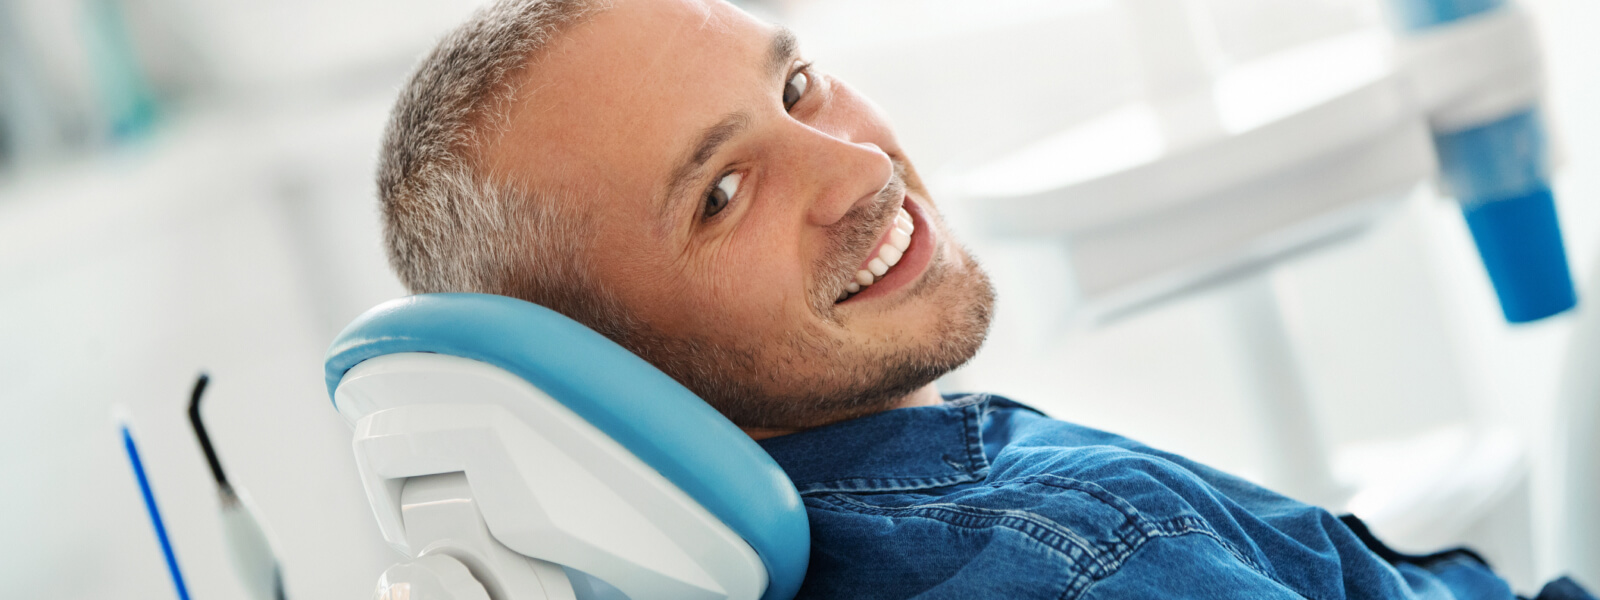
<point>1475,67</point>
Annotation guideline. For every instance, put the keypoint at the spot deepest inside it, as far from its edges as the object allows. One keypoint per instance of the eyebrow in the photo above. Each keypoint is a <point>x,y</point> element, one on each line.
<point>780,53</point>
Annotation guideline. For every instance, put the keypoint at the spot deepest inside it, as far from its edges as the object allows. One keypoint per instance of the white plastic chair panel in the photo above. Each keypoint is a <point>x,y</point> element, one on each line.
<point>549,485</point>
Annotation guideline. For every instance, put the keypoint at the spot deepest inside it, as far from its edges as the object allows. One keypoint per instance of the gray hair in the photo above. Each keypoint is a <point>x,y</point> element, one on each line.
<point>448,225</point>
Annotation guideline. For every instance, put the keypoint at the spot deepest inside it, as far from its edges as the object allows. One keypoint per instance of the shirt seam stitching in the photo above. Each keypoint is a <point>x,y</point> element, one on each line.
<point>933,512</point>
<point>1075,592</point>
<point>1189,524</point>
<point>968,409</point>
<point>971,431</point>
<point>1098,560</point>
<point>1136,529</point>
<point>866,485</point>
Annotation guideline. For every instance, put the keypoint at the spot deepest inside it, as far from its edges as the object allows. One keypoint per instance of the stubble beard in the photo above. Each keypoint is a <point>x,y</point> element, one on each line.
<point>810,377</point>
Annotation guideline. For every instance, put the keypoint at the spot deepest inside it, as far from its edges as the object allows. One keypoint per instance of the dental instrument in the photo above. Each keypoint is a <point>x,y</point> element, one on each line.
<point>150,506</point>
<point>253,560</point>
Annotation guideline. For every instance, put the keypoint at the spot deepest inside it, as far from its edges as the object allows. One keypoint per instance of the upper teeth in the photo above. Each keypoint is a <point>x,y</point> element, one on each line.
<point>888,255</point>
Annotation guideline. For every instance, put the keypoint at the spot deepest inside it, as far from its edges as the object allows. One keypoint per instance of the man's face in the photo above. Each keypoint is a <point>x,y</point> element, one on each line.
<point>737,193</point>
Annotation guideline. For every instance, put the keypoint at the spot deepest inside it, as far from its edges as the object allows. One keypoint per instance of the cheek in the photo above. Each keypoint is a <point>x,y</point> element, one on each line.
<point>752,279</point>
<point>651,280</point>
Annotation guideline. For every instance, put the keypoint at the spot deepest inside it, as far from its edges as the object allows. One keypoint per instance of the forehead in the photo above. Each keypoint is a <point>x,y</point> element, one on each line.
<point>614,102</point>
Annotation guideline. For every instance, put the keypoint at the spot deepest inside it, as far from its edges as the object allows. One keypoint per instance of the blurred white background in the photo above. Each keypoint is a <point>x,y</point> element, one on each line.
<point>185,186</point>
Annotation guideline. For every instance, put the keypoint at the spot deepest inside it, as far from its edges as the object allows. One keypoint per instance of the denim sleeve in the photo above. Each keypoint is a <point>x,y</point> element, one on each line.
<point>1187,566</point>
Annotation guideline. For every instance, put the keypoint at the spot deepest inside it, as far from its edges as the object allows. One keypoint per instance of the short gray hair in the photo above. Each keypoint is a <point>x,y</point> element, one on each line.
<point>448,225</point>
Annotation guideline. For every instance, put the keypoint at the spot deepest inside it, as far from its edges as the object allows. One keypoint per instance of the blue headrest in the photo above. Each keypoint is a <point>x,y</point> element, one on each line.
<point>650,414</point>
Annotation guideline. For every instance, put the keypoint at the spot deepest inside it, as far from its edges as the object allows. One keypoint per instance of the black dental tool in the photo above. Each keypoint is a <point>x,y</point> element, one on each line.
<point>253,560</point>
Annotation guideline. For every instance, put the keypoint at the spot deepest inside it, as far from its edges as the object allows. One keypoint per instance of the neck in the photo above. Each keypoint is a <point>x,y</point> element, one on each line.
<point>927,395</point>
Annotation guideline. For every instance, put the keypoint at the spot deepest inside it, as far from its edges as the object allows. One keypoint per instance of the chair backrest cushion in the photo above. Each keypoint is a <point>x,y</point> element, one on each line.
<point>658,420</point>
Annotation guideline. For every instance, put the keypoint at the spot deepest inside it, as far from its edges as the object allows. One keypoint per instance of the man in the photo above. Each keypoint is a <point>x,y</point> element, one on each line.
<point>674,174</point>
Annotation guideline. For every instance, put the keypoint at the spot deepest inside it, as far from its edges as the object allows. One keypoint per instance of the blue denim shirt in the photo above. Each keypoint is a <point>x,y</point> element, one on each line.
<point>983,497</point>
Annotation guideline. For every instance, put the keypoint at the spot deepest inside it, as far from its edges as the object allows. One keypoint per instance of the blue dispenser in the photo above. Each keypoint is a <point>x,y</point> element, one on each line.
<point>1499,170</point>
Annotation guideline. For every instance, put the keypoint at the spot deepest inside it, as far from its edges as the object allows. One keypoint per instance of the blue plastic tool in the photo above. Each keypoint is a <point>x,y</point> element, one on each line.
<point>155,513</point>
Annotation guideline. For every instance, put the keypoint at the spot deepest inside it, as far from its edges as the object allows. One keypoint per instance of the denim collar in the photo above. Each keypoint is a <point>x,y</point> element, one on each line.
<point>898,450</point>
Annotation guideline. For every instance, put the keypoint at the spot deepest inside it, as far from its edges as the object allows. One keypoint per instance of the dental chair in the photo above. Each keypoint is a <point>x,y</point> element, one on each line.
<point>511,453</point>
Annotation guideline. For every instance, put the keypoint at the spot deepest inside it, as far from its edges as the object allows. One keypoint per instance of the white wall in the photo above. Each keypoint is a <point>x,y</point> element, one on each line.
<point>127,276</point>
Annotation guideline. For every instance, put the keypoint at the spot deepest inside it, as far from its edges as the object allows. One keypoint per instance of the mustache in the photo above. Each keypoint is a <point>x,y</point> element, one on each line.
<point>852,238</point>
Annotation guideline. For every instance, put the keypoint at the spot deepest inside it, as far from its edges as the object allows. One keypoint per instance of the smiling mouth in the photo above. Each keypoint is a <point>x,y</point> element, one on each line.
<point>891,249</point>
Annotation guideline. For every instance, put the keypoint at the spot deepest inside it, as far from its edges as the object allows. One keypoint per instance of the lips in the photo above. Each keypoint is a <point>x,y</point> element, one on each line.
<point>908,266</point>
<point>890,249</point>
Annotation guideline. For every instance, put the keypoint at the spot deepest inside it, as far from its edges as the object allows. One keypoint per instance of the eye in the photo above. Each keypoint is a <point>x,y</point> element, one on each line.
<point>719,195</point>
<point>795,89</point>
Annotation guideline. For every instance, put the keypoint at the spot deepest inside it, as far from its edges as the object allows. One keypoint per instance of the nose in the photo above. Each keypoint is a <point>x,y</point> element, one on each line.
<point>842,174</point>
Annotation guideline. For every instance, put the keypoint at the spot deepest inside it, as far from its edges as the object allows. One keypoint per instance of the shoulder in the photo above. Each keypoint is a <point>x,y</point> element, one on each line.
<point>1143,487</point>
<point>1022,444</point>
<point>1076,516</point>
<point>1113,498</point>
<point>1042,509</point>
